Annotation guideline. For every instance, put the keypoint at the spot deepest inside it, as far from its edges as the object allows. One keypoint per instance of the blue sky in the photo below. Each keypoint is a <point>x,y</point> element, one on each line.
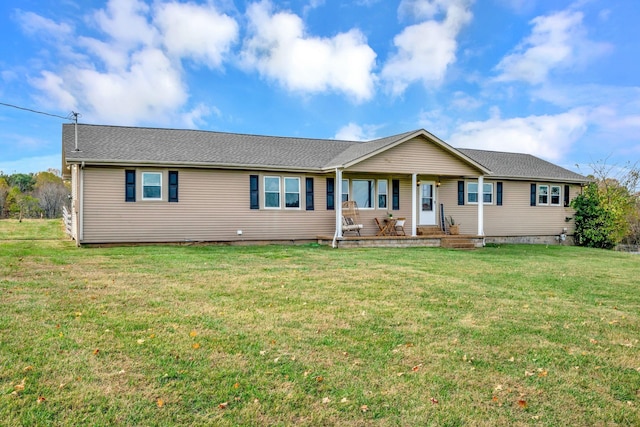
<point>557,79</point>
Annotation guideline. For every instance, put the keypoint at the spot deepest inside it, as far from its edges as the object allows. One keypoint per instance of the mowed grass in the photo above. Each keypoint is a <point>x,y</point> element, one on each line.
<point>308,335</point>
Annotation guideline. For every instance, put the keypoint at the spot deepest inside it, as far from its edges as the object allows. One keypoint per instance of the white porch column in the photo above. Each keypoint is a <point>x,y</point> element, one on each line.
<point>338,202</point>
<point>481,205</point>
<point>414,205</point>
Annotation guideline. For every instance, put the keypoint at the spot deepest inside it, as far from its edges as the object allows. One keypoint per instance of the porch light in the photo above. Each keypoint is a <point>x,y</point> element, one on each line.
<point>418,182</point>
<point>438,183</point>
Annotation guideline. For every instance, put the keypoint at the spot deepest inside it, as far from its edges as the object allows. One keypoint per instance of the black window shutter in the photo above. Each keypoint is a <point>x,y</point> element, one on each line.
<point>331,194</point>
<point>130,186</point>
<point>309,187</point>
<point>460,193</point>
<point>499,194</point>
<point>254,192</point>
<point>395,191</point>
<point>533,194</point>
<point>173,186</point>
<point>567,199</point>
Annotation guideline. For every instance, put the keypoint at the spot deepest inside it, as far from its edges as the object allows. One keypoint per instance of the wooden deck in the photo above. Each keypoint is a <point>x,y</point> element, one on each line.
<point>461,241</point>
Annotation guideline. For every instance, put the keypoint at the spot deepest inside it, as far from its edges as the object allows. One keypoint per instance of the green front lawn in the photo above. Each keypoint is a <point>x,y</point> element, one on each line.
<point>308,335</point>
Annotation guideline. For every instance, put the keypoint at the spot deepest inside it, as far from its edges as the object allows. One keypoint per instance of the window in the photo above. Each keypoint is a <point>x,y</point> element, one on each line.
<point>363,192</point>
<point>129,186</point>
<point>272,192</point>
<point>487,193</point>
<point>382,194</point>
<point>151,186</point>
<point>345,190</point>
<point>292,193</point>
<point>472,192</point>
<point>173,186</point>
<point>555,195</point>
<point>543,194</point>
<point>499,193</point>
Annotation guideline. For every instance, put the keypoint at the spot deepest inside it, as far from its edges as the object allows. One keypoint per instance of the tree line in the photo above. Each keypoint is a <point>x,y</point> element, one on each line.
<point>33,195</point>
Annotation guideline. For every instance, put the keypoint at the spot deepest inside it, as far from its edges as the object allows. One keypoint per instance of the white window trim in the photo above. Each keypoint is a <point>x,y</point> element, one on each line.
<point>540,194</point>
<point>477,193</point>
<point>284,188</point>
<point>386,193</point>
<point>345,193</point>
<point>264,192</point>
<point>492,193</point>
<point>151,199</point>
<point>559,187</point>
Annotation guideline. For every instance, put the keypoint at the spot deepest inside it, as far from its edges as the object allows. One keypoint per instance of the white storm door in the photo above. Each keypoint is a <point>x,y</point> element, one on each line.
<point>427,203</point>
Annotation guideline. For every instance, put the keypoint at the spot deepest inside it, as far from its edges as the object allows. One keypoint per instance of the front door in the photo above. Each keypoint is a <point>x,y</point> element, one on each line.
<point>427,203</point>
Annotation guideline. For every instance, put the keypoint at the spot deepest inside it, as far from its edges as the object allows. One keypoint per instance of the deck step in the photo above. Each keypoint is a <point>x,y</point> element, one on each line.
<point>429,230</point>
<point>457,243</point>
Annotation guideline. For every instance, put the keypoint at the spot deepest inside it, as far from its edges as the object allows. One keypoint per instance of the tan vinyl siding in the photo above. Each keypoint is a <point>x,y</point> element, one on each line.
<point>416,156</point>
<point>213,205</point>
<point>515,217</point>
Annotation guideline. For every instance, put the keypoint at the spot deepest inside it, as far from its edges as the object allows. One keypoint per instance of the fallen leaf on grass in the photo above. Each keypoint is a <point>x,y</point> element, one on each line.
<point>326,400</point>
<point>236,385</point>
<point>344,400</point>
<point>28,368</point>
<point>160,403</point>
<point>364,408</point>
<point>20,387</point>
<point>434,400</point>
<point>522,403</point>
<point>195,346</point>
<point>140,341</point>
<point>416,368</point>
<point>593,341</point>
<point>542,373</point>
<point>41,399</point>
<point>319,378</point>
<point>494,399</point>
<point>96,351</point>
<point>223,405</point>
<point>528,374</point>
<point>193,333</point>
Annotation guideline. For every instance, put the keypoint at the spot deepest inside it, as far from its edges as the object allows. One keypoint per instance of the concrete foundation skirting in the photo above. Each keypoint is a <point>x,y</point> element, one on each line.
<point>398,242</point>
<point>531,240</point>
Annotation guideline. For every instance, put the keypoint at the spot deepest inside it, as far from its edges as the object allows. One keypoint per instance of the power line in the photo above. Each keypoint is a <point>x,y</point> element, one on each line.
<point>69,117</point>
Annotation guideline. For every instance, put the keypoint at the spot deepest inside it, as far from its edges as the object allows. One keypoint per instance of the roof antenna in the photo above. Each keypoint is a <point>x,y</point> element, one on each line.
<point>75,120</point>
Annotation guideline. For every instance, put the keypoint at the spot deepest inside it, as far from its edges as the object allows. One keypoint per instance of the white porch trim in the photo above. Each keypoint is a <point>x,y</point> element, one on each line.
<point>337,204</point>
<point>481,205</point>
<point>414,205</point>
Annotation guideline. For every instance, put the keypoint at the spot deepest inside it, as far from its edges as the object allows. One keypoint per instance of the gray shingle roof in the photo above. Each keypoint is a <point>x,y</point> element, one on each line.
<point>135,145</point>
<point>522,166</point>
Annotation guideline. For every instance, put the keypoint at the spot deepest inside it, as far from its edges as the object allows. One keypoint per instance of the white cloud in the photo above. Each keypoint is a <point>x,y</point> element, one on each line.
<point>426,50</point>
<point>557,41</point>
<point>280,50</point>
<point>547,136</point>
<point>150,90</point>
<point>32,24</point>
<point>132,72</point>
<point>355,132</point>
<point>198,32</point>
<point>54,87</point>
<point>125,21</point>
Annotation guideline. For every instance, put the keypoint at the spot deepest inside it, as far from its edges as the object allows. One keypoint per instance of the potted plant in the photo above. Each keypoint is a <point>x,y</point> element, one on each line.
<point>453,227</point>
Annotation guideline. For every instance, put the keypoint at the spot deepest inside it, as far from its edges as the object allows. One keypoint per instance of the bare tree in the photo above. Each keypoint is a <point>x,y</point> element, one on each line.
<point>52,197</point>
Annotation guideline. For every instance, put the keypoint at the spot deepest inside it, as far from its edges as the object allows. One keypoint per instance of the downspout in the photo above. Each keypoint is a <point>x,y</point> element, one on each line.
<point>481,207</point>
<point>337,203</point>
<point>414,205</point>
